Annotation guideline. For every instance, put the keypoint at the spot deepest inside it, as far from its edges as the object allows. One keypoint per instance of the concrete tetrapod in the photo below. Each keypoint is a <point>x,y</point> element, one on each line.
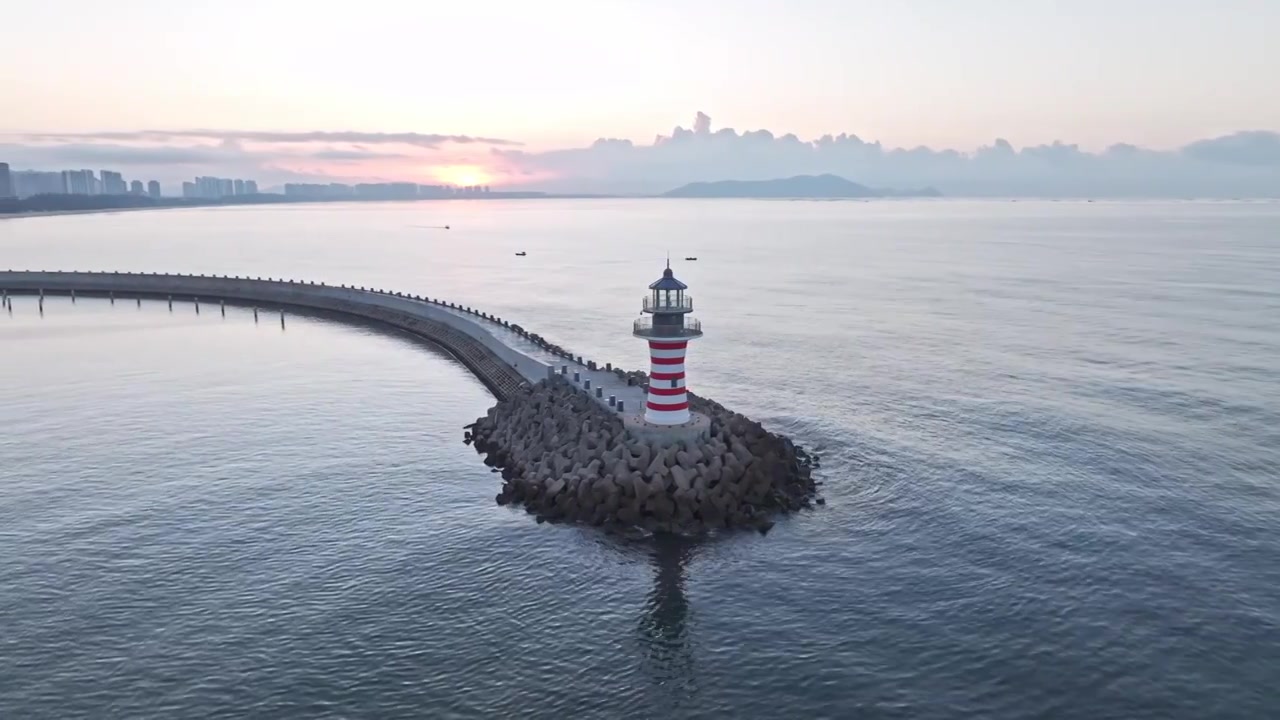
<point>566,458</point>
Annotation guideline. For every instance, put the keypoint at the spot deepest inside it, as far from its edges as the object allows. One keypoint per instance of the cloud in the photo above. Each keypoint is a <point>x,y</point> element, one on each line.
<point>1245,163</point>
<point>78,155</point>
<point>1256,148</point>
<point>1240,164</point>
<point>422,140</point>
<point>355,154</point>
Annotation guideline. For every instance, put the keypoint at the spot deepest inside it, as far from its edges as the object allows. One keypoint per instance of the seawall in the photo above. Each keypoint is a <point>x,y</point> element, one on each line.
<point>461,332</point>
<point>503,346</point>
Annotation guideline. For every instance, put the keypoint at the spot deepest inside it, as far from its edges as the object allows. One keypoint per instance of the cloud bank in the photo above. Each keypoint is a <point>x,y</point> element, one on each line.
<point>429,141</point>
<point>1243,164</point>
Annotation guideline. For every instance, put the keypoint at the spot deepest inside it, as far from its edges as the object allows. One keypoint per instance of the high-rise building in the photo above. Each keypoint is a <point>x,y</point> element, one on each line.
<point>238,187</point>
<point>190,190</point>
<point>78,181</point>
<point>113,183</point>
<point>33,182</point>
<point>135,188</point>
<point>250,187</point>
<point>225,187</point>
<point>153,189</point>
<point>94,184</point>
<point>6,181</point>
<point>311,190</point>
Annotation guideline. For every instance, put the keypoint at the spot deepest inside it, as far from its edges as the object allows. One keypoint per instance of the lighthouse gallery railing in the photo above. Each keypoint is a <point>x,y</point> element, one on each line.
<point>691,327</point>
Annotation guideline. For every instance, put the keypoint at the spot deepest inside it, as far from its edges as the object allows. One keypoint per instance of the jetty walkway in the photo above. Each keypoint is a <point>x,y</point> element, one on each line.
<point>501,354</point>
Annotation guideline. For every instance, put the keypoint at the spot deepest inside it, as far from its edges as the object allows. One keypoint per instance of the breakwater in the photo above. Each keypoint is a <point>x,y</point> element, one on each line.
<point>564,432</point>
<point>564,458</point>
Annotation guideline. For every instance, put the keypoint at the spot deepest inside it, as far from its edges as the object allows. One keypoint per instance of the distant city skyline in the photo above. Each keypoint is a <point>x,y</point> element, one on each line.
<point>981,97</point>
<point>24,183</point>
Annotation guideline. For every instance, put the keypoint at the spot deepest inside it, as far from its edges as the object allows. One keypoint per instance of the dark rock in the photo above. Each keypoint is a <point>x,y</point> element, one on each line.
<point>565,457</point>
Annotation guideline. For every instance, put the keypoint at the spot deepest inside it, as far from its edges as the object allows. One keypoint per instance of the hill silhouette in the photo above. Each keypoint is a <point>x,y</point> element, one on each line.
<point>799,186</point>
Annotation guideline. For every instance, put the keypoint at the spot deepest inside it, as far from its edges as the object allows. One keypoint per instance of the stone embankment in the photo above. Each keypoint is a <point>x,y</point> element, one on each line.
<point>564,458</point>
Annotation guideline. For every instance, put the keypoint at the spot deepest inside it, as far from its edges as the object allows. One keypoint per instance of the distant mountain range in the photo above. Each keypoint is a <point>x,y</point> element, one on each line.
<point>800,186</point>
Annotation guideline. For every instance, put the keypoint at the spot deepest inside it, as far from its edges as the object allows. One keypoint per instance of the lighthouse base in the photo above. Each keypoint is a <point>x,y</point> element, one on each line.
<point>692,433</point>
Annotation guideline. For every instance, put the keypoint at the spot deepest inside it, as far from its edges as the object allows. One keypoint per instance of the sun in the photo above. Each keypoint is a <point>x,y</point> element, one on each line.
<point>462,175</point>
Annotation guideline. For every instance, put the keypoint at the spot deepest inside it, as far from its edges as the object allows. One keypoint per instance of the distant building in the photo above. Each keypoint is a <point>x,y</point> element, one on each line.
<point>238,187</point>
<point>135,188</point>
<point>153,189</point>
<point>225,188</point>
<point>79,182</point>
<point>208,187</point>
<point>311,190</point>
<point>6,181</point>
<point>387,191</point>
<point>26,183</point>
<point>93,186</point>
<point>250,187</point>
<point>190,190</point>
<point>434,191</point>
<point>113,184</point>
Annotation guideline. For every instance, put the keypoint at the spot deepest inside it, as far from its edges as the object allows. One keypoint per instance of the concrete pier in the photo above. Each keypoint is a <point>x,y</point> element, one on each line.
<point>503,355</point>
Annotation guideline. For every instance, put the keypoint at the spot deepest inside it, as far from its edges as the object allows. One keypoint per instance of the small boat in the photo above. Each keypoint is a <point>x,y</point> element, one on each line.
<point>521,253</point>
<point>691,258</point>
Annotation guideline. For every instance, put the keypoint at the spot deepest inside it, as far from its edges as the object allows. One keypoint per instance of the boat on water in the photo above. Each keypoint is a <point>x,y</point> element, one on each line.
<point>691,258</point>
<point>521,253</point>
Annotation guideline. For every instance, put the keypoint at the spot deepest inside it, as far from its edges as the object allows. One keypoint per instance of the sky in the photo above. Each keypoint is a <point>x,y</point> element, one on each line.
<point>514,93</point>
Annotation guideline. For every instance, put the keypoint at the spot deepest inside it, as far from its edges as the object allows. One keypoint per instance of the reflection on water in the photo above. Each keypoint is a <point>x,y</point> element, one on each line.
<point>664,636</point>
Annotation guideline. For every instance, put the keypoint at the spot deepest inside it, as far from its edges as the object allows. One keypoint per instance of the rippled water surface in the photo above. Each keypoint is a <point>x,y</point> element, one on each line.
<point>1051,441</point>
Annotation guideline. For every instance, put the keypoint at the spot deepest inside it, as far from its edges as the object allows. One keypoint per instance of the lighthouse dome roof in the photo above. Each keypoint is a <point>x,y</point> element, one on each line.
<point>668,281</point>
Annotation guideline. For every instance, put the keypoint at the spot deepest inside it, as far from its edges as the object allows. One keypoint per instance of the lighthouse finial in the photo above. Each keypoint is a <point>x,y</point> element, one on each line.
<point>668,259</point>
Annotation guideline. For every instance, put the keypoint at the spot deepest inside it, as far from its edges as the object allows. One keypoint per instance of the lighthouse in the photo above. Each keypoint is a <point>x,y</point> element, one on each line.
<point>668,327</point>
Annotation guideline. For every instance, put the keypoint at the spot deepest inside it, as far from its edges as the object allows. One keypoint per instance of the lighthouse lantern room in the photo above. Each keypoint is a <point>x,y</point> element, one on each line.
<point>668,327</point>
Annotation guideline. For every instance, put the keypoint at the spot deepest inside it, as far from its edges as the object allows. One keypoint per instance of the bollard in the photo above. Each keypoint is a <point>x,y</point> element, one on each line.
<point>613,400</point>
<point>599,391</point>
<point>586,384</point>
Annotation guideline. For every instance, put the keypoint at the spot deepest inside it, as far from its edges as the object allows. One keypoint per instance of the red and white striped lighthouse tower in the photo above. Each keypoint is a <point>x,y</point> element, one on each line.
<point>668,328</point>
